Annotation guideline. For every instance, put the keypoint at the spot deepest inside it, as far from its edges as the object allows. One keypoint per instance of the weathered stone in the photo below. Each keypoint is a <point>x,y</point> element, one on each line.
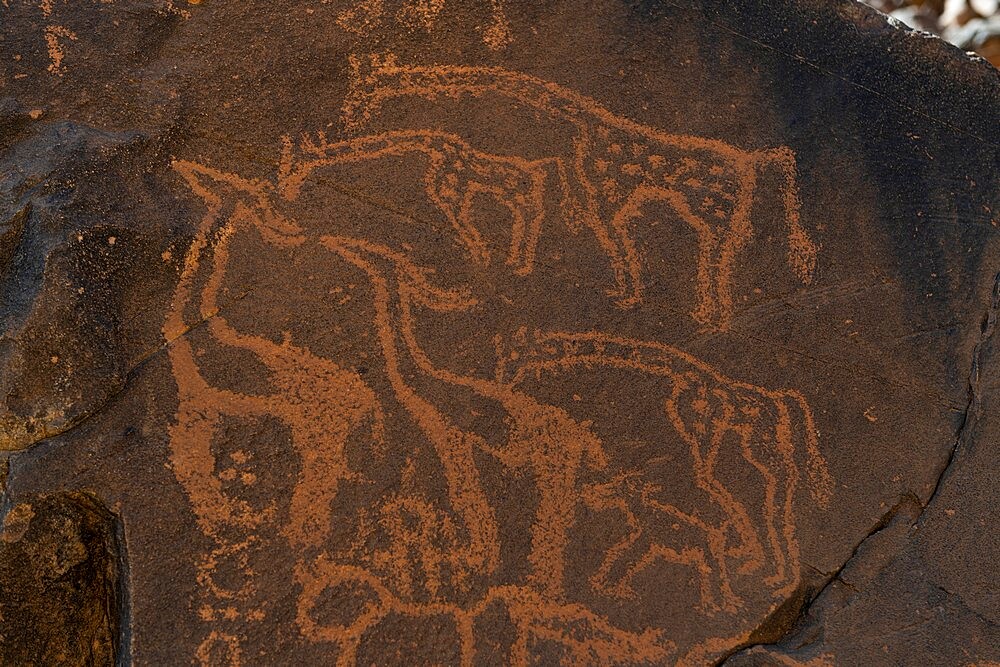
<point>496,332</point>
<point>63,597</point>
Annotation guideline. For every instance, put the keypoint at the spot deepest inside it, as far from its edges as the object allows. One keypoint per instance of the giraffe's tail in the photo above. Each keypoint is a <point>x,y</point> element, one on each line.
<point>807,449</point>
<point>802,250</point>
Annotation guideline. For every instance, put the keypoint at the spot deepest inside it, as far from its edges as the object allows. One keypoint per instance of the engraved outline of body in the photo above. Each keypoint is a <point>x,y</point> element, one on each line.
<point>543,437</point>
<point>533,616</point>
<point>279,231</point>
<point>537,440</point>
<point>215,511</point>
<point>738,408</point>
<point>320,402</point>
<point>456,174</point>
<point>536,423</point>
<point>610,215</point>
<point>342,390</point>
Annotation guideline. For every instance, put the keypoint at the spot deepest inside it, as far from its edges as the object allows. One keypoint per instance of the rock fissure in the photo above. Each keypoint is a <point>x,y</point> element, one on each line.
<point>974,405</point>
<point>138,365</point>
<point>796,621</point>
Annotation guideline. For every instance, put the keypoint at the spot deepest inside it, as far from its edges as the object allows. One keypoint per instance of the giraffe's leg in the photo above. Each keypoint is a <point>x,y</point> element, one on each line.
<point>689,546</point>
<point>630,282</point>
<point>784,460</point>
<point>466,226</point>
<point>324,467</point>
<point>602,498</point>
<point>586,212</point>
<point>772,484</point>
<point>534,215</point>
<point>704,448</point>
<point>709,310</point>
<point>310,502</point>
<point>723,283</point>
<point>553,445</point>
<point>570,205</point>
<point>622,226</point>
<point>518,227</point>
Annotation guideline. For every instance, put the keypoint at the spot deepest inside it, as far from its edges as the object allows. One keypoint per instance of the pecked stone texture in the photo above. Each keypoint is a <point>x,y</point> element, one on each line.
<point>495,332</point>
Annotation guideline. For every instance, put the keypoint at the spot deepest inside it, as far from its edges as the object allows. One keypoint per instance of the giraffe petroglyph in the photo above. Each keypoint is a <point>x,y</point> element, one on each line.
<point>774,431</point>
<point>419,556</point>
<point>618,168</point>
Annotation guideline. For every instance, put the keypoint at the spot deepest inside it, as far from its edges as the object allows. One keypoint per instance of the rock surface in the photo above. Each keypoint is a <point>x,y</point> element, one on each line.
<point>64,599</point>
<point>386,332</point>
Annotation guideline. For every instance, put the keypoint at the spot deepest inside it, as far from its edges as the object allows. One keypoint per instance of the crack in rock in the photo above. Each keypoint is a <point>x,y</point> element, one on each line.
<point>970,416</point>
<point>974,405</point>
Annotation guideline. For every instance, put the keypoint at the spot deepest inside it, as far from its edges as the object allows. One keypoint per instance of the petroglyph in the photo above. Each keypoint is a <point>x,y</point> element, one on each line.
<point>53,33</point>
<point>367,16</point>
<point>57,35</point>
<point>456,175</point>
<point>412,553</point>
<point>619,168</point>
<point>775,434</point>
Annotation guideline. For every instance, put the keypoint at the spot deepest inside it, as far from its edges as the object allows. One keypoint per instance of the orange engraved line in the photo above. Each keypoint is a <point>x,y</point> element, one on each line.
<point>695,437</point>
<point>320,402</point>
<point>602,136</point>
<point>420,13</point>
<point>456,173</point>
<point>362,18</point>
<point>633,353</point>
<point>310,388</point>
<point>367,15</point>
<point>544,437</point>
<point>454,447</point>
<point>55,49</point>
<point>199,409</point>
<point>663,360</point>
<point>587,636</point>
<point>710,650</point>
<point>422,540</point>
<point>720,427</point>
<point>745,434</point>
<point>716,545</point>
<point>229,644</point>
<point>561,351</point>
<point>498,35</point>
<point>616,495</point>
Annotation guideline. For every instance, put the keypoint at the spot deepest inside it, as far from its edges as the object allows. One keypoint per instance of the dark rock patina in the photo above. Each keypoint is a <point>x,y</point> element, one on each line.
<point>394,332</point>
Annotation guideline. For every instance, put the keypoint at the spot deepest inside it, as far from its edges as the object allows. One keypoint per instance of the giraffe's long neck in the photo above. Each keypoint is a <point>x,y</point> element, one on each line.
<point>314,154</point>
<point>379,82</point>
<point>559,351</point>
<point>544,438</point>
<point>454,447</point>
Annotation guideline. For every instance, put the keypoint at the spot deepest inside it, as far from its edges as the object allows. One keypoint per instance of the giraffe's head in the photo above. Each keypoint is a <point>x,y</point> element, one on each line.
<point>230,201</point>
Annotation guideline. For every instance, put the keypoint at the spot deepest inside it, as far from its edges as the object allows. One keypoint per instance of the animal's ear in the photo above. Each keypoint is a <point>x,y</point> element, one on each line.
<point>216,187</point>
